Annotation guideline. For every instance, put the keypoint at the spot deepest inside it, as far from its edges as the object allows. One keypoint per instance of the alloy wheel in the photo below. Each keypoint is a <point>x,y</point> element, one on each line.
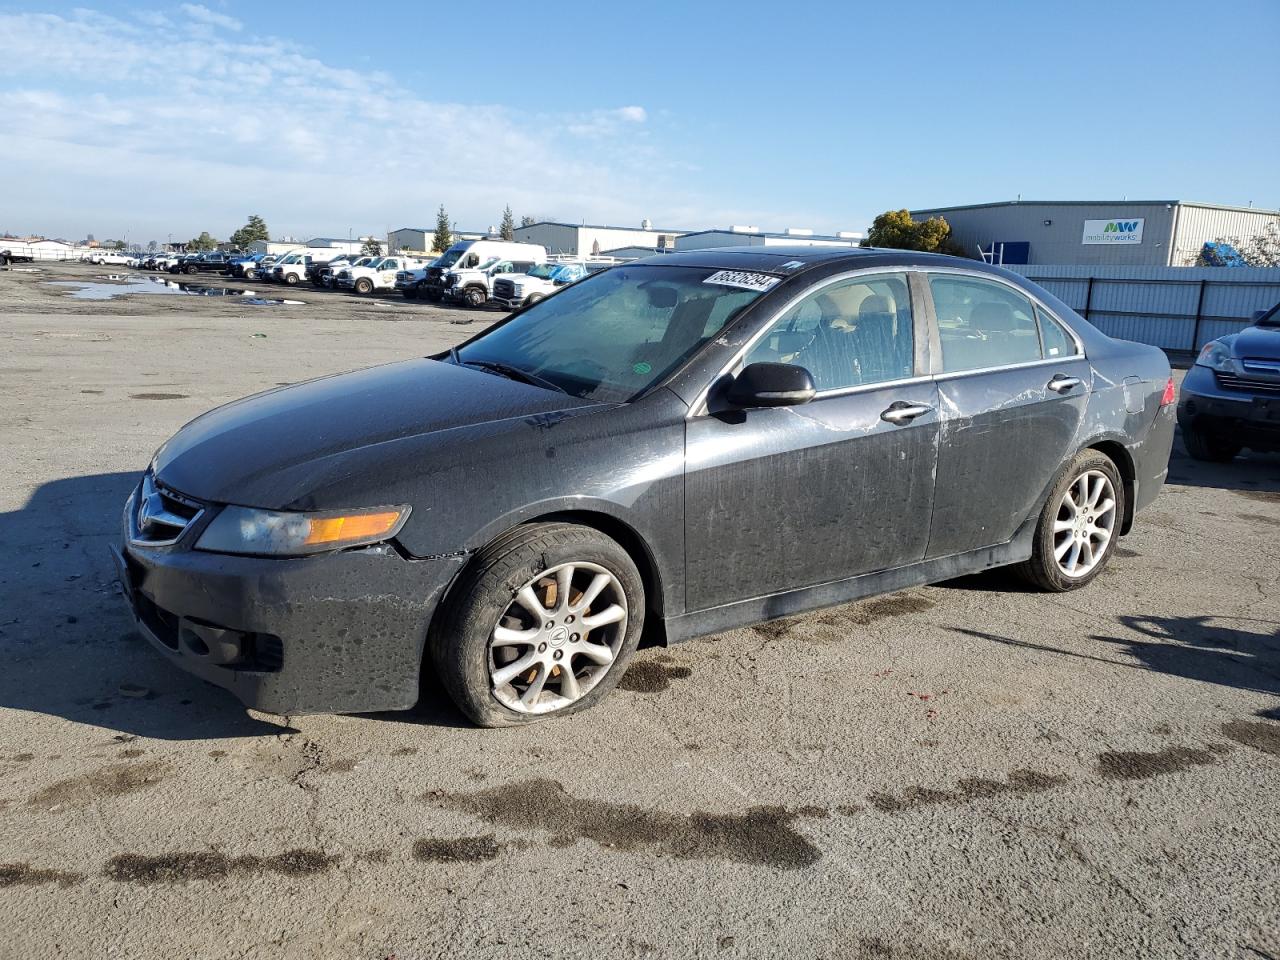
<point>1085,523</point>
<point>557,638</point>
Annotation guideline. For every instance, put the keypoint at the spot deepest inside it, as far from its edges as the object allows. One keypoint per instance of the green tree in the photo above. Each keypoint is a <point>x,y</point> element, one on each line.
<point>255,229</point>
<point>508,229</point>
<point>202,243</point>
<point>443,238</point>
<point>895,230</point>
<point>527,221</point>
<point>372,247</point>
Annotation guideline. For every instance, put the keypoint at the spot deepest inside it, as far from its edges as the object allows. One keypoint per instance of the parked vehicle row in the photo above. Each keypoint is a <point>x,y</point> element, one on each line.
<point>474,273</point>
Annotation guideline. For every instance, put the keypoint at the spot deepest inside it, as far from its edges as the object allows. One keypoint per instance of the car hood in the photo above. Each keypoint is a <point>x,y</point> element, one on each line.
<point>1261,342</point>
<point>271,450</point>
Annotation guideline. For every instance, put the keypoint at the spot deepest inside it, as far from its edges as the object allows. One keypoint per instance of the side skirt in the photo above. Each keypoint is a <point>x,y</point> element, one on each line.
<point>759,609</point>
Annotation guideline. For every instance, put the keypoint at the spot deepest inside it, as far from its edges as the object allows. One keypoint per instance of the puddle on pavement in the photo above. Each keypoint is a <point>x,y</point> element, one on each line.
<point>119,285</point>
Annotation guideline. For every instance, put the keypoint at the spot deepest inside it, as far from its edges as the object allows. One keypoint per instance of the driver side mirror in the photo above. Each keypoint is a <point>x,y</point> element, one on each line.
<point>771,385</point>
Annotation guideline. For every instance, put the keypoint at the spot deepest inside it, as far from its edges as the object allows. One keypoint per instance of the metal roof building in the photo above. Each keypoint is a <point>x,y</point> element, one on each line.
<point>589,239</point>
<point>753,237</point>
<point>1167,233</point>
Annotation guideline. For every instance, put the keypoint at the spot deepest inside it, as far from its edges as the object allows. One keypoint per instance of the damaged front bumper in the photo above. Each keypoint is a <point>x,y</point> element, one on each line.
<point>334,633</point>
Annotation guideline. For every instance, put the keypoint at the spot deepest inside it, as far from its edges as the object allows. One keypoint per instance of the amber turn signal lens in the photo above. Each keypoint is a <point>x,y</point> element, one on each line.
<point>360,526</point>
<point>1170,394</point>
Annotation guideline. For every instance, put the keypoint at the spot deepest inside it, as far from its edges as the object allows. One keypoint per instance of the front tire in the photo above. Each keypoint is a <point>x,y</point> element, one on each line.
<point>410,293</point>
<point>542,624</point>
<point>475,297</point>
<point>291,279</point>
<point>1078,527</point>
<point>1201,446</point>
<point>364,286</point>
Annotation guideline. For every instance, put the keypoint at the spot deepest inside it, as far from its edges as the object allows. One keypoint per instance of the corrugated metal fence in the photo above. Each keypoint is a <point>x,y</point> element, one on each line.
<point>1178,308</point>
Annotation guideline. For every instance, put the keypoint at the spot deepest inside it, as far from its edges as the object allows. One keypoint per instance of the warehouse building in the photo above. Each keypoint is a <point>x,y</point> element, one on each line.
<point>753,237</point>
<point>1162,233</point>
<point>421,239</point>
<point>587,239</point>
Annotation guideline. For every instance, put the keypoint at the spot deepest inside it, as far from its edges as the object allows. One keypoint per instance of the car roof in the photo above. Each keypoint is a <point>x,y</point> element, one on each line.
<point>791,260</point>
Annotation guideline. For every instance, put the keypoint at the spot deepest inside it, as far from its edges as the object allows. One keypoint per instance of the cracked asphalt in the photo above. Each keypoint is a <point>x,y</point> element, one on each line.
<point>968,770</point>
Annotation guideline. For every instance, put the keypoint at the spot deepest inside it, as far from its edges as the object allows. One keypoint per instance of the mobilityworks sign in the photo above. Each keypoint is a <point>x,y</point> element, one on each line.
<point>1112,231</point>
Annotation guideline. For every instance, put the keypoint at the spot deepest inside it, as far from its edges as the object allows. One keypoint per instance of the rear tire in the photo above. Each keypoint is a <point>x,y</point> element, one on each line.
<point>463,644</point>
<point>1056,546</point>
<point>1201,446</point>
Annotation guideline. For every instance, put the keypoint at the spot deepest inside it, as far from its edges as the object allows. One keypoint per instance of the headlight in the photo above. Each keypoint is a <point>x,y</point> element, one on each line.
<point>279,534</point>
<point>1216,356</point>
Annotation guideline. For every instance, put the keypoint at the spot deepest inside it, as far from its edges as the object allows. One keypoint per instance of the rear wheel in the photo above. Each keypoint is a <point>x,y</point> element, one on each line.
<point>542,624</point>
<point>1078,525</point>
<point>1201,446</point>
<point>364,285</point>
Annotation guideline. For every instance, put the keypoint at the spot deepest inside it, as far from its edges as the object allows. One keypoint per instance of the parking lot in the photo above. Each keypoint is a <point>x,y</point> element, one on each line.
<point>968,770</point>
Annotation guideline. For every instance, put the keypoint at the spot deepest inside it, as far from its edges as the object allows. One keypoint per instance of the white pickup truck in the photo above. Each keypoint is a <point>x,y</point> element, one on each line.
<point>378,275</point>
<point>515,290</point>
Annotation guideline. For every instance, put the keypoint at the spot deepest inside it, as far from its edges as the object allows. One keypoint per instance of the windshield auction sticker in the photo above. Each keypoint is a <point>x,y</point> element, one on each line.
<point>743,279</point>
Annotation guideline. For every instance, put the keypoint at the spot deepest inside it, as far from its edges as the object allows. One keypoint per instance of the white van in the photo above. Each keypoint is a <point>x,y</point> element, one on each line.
<point>295,267</point>
<point>465,271</point>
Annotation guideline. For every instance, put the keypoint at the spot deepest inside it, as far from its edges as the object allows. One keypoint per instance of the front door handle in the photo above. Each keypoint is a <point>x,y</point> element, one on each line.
<point>902,412</point>
<point>1062,383</point>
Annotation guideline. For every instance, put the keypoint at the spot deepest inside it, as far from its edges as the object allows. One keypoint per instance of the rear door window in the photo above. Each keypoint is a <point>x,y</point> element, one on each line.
<point>982,323</point>
<point>1055,340</point>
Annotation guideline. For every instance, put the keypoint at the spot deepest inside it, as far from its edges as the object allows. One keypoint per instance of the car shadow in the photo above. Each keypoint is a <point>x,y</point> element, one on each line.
<point>1254,475</point>
<point>68,647</point>
<point>1238,652</point>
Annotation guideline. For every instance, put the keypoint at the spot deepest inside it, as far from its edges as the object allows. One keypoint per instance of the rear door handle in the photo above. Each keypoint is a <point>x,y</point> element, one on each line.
<point>902,412</point>
<point>1061,383</point>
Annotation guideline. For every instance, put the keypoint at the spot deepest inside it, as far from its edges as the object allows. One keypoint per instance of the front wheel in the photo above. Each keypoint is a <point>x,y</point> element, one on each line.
<point>364,285</point>
<point>1201,446</point>
<point>291,279</point>
<point>411,293</point>
<point>434,295</point>
<point>531,299</point>
<point>475,297</point>
<point>1078,525</point>
<point>542,624</point>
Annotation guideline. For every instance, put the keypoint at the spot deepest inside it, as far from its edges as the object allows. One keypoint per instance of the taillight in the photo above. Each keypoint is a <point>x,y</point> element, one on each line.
<point>1170,394</point>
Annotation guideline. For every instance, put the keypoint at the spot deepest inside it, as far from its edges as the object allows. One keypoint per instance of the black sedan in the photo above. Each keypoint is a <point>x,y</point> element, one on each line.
<point>1231,398</point>
<point>677,446</point>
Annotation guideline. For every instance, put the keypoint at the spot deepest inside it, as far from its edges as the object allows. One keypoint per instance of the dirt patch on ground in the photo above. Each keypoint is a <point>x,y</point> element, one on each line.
<point>649,676</point>
<point>967,790</point>
<point>759,836</point>
<point>112,781</point>
<point>208,865</point>
<point>1255,734</point>
<point>158,396</point>
<point>25,875</point>
<point>457,849</point>
<point>1139,765</point>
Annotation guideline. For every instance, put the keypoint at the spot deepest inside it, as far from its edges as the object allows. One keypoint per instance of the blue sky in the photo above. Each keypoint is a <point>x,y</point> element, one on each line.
<point>150,119</point>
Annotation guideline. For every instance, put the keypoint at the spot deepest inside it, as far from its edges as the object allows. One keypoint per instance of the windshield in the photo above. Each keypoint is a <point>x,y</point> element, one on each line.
<point>289,258</point>
<point>617,333</point>
<point>450,257</point>
<point>1270,319</point>
<point>544,271</point>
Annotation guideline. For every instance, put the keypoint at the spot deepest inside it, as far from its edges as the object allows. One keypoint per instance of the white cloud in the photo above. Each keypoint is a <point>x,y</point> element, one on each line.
<point>210,17</point>
<point>146,125</point>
